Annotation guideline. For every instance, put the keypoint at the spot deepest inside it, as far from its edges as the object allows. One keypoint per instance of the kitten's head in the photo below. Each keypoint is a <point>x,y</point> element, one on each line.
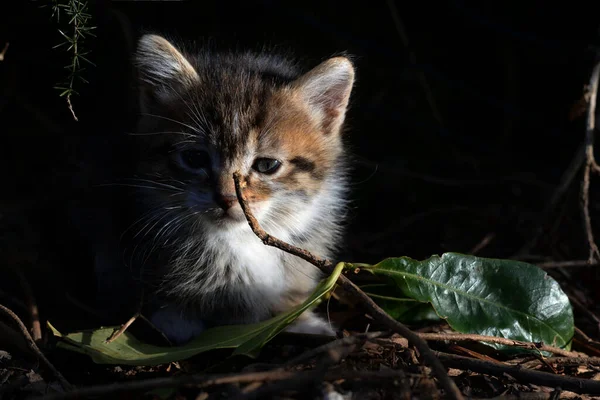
<point>206,116</point>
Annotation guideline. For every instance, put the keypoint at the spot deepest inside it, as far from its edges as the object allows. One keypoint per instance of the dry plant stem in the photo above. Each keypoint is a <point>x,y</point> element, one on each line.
<point>467,337</point>
<point>205,381</point>
<point>583,308</point>
<point>372,308</point>
<point>483,243</point>
<point>566,264</point>
<point>577,385</point>
<point>581,335</point>
<point>350,341</point>
<point>573,361</point>
<point>127,324</point>
<point>35,349</point>
<point>332,356</point>
<point>115,335</point>
<point>566,180</point>
<point>70,106</point>
<point>3,52</point>
<point>590,164</point>
<point>36,328</point>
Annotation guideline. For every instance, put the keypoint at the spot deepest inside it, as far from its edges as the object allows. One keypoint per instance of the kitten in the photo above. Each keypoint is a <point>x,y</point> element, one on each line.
<point>205,116</point>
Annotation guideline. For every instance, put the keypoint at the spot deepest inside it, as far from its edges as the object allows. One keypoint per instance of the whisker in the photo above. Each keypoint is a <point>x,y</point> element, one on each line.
<point>198,131</point>
<point>160,133</point>
<point>162,184</point>
<point>131,185</point>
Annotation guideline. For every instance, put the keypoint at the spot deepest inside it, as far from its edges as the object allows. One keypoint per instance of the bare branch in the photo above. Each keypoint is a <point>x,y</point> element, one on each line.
<point>35,349</point>
<point>590,165</point>
<point>372,308</point>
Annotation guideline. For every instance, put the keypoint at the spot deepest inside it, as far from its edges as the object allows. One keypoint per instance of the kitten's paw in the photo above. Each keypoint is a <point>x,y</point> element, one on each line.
<point>179,330</point>
<point>312,324</point>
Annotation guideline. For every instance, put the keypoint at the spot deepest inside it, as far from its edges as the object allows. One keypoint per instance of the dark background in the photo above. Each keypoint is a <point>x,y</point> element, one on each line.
<point>461,127</point>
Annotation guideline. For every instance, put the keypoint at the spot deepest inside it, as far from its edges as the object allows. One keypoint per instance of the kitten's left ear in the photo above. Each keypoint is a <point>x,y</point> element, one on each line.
<point>326,90</point>
<point>163,69</point>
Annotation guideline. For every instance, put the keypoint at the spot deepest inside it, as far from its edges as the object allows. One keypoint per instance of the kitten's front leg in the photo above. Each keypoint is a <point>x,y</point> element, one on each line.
<point>179,330</point>
<point>311,323</point>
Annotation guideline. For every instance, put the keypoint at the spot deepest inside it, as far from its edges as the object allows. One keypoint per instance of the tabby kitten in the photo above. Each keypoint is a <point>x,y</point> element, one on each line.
<point>205,116</point>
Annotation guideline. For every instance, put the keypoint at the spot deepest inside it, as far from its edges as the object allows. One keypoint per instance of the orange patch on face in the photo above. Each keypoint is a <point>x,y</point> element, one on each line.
<point>256,190</point>
<point>309,151</point>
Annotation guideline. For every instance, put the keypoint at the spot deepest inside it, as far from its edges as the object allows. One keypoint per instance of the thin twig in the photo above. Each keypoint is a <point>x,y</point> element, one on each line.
<point>577,385</point>
<point>566,264</point>
<point>70,106</point>
<point>333,355</point>
<point>468,337</point>
<point>349,341</point>
<point>590,165</point>
<point>566,180</point>
<point>35,349</point>
<point>204,381</point>
<point>483,243</point>
<point>115,335</point>
<point>3,52</point>
<point>372,308</point>
<point>36,328</point>
<point>572,361</point>
<point>584,308</point>
<point>127,324</point>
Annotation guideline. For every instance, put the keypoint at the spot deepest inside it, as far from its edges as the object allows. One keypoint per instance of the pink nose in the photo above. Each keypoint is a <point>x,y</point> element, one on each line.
<point>225,201</point>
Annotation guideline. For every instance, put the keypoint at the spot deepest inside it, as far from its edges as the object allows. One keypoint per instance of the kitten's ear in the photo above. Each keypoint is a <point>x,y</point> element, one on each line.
<point>162,68</point>
<point>326,90</point>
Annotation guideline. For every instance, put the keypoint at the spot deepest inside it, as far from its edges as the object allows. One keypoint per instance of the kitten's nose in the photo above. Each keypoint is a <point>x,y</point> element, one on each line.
<point>225,201</point>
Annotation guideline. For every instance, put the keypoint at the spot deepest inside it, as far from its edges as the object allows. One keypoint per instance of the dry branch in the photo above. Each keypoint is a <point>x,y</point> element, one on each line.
<point>577,385</point>
<point>590,165</point>
<point>469,337</point>
<point>372,308</point>
<point>35,349</point>
<point>3,52</point>
<point>204,381</point>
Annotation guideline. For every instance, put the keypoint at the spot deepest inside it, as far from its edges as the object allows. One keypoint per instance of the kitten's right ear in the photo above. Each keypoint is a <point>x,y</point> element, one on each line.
<point>326,90</point>
<point>162,68</point>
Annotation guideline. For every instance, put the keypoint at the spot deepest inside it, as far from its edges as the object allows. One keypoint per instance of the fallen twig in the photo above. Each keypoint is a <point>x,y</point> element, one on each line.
<point>566,180</point>
<point>571,361</point>
<point>372,308</point>
<point>3,52</point>
<point>35,349</point>
<point>333,355</point>
<point>127,324</point>
<point>204,381</point>
<point>349,341</point>
<point>566,264</point>
<point>577,385</point>
<point>483,243</point>
<point>122,329</point>
<point>590,164</point>
<point>468,337</point>
<point>32,308</point>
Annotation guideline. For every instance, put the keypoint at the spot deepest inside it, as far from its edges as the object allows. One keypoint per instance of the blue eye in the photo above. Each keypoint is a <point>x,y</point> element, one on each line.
<point>266,166</point>
<point>193,160</point>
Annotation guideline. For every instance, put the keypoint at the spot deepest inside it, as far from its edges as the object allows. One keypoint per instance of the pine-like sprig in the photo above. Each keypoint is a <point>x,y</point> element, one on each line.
<point>74,37</point>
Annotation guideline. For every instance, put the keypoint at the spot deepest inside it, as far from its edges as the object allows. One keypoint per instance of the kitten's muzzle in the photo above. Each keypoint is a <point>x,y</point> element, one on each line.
<point>225,201</point>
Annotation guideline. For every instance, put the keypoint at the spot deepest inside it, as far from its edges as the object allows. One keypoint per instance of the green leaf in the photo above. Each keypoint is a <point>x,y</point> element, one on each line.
<point>246,339</point>
<point>502,298</point>
<point>389,297</point>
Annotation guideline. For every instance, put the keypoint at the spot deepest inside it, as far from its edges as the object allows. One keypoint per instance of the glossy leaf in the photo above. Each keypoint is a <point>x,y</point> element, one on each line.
<point>246,339</point>
<point>391,299</point>
<point>502,298</point>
